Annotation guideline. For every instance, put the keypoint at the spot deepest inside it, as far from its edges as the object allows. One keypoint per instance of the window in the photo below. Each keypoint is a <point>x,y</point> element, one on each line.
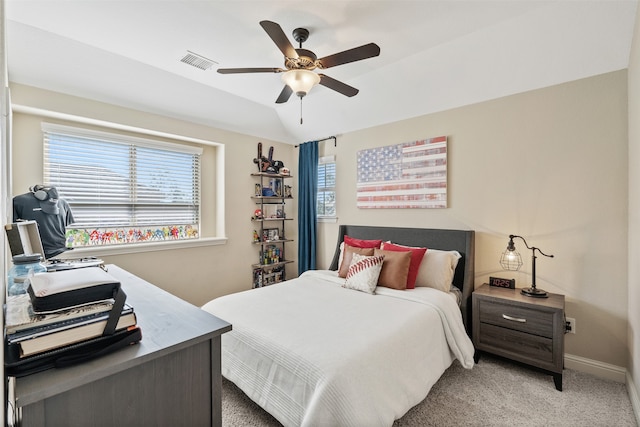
<point>123,189</point>
<point>326,201</point>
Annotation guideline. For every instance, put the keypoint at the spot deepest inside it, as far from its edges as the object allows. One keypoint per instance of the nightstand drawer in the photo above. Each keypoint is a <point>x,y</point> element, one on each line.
<point>519,318</point>
<point>527,348</point>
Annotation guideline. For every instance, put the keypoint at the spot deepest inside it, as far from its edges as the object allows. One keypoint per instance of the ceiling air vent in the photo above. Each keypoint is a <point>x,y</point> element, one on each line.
<point>197,61</point>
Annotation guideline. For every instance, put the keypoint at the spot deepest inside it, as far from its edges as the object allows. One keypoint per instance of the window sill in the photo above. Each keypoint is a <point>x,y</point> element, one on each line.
<point>327,219</point>
<point>106,250</point>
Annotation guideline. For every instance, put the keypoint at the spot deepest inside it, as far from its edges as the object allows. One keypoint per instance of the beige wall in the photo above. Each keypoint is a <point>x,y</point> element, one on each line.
<point>550,165</point>
<point>196,274</point>
<point>633,336</point>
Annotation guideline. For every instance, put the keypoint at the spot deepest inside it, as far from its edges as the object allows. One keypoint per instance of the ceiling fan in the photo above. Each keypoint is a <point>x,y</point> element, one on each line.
<point>299,64</point>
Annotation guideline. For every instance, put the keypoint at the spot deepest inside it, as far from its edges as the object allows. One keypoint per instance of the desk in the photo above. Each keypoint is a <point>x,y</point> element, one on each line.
<point>172,377</point>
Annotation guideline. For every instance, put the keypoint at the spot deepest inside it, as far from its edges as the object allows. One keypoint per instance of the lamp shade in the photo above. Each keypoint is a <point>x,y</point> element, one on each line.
<point>300,81</point>
<point>511,260</point>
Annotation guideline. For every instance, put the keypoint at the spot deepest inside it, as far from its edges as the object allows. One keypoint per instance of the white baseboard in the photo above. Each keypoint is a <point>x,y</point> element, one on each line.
<point>633,396</point>
<point>609,372</point>
<point>596,368</point>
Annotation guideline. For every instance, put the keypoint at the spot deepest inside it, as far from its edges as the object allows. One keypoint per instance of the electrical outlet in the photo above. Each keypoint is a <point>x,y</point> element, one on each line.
<point>570,325</point>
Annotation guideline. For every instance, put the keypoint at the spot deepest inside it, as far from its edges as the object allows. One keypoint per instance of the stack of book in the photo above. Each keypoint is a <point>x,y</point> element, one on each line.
<point>31,331</point>
<point>35,332</point>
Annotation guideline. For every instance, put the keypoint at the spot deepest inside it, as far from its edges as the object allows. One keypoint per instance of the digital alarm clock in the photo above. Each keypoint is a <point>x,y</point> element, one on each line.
<point>502,283</point>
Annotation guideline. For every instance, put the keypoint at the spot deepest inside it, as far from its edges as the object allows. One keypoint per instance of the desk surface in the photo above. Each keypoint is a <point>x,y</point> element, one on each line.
<point>168,324</point>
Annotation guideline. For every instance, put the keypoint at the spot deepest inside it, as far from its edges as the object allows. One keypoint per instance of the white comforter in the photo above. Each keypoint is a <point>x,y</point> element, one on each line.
<point>312,353</point>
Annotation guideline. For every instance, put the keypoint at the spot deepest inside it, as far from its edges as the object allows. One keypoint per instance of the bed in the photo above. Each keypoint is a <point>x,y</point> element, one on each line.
<point>314,353</point>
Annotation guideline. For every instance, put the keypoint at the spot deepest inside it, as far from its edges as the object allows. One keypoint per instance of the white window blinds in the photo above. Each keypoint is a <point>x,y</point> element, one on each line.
<point>113,181</point>
<point>326,198</point>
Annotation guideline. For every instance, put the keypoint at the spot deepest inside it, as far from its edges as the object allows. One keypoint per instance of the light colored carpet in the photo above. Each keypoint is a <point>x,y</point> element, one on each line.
<point>495,392</point>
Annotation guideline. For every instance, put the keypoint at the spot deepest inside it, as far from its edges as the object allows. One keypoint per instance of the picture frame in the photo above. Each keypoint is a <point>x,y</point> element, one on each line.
<point>413,175</point>
<point>270,234</point>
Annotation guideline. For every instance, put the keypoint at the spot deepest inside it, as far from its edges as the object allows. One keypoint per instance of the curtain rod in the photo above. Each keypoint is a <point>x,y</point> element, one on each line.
<point>335,140</point>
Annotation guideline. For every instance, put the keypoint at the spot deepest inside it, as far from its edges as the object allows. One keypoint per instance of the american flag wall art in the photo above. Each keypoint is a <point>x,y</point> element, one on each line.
<point>409,175</point>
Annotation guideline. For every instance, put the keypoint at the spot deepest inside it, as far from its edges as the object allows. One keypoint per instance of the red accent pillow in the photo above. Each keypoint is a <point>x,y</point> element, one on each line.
<point>416,258</point>
<point>359,243</point>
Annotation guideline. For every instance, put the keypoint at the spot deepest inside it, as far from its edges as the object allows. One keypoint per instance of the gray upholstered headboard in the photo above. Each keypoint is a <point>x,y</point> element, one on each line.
<point>462,241</point>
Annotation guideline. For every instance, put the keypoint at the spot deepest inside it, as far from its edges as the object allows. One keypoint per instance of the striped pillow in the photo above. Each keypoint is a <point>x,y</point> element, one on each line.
<point>363,273</point>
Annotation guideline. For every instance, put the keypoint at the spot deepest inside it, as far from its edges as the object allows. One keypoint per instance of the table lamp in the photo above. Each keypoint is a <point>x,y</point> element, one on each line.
<point>511,260</point>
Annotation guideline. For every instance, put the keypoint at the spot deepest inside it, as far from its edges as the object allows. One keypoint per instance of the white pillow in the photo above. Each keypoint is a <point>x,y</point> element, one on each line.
<point>341,255</point>
<point>363,273</point>
<point>437,269</point>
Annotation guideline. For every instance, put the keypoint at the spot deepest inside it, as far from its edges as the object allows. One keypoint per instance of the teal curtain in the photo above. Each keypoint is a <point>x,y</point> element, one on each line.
<point>307,194</point>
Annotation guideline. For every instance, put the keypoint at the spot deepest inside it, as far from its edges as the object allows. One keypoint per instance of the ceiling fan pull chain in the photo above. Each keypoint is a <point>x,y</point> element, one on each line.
<point>300,110</point>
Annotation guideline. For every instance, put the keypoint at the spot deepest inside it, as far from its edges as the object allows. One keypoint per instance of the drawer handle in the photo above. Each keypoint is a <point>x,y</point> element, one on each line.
<point>515,319</point>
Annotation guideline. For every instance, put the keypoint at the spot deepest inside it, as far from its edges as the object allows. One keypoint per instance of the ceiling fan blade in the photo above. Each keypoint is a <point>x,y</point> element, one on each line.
<point>356,54</point>
<point>249,70</point>
<point>284,95</point>
<point>279,38</point>
<point>338,86</point>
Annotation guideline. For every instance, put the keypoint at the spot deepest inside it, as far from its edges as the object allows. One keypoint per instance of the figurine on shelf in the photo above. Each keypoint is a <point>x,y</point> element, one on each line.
<point>256,237</point>
<point>257,214</point>
<point>287,191</point>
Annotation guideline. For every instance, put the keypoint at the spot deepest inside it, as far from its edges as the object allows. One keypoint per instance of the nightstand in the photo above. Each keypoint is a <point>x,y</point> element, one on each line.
<point>521,328</point>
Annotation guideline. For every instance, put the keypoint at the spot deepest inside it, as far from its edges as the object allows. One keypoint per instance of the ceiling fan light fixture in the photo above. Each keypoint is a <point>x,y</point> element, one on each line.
<point>300,81</point>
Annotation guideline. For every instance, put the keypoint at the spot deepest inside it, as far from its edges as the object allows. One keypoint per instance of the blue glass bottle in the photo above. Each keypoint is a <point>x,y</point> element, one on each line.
<point>24,266</point>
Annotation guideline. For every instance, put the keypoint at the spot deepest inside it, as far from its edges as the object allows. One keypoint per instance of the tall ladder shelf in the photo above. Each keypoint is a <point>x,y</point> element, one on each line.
<point>270,196</point>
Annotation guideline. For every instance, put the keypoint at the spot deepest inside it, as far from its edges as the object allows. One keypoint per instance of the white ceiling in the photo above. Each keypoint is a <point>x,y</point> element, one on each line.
<point>435,55</point>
